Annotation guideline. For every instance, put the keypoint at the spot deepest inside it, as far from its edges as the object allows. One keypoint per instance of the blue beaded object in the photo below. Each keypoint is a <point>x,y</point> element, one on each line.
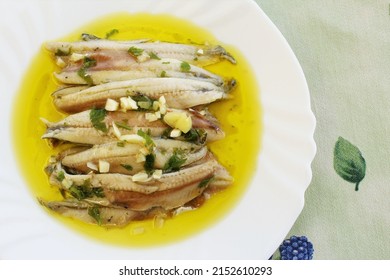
<point>296,248</point>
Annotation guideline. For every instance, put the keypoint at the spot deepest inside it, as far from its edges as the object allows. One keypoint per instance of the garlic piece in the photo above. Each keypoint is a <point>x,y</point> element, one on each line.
<point>132,138</point>
<point>104,166</point>
<point>140,177</point>
<point>111,105</point>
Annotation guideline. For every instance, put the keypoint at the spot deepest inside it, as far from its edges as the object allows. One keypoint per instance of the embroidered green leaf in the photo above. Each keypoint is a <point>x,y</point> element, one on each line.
<point>348,162</point>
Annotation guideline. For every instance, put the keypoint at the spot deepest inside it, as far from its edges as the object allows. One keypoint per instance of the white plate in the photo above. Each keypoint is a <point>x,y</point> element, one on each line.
<point>257,225</point>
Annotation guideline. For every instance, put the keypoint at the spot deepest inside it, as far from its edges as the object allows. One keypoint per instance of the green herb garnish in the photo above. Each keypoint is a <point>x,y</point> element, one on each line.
<point>98,192</point>
<point>111,33</point>
<point>197,136</point>
<point>89,37</point>
<point>128,167</point>
<point>205,182</point>
<point>135,51</point>
<point>154,56</point>
<point>82,72</point>
<point>149,143</point>
<point>80,192</point>
<point>175,161</point>
<point>97,117</point>
<point>123,125</point>
<point>185,67</point>
<point>62,52</point>
<point>143,102</point>
<point>94,212</point>
<point>166,62</point>
<point>61,176</point>
<point>149,163</point>
<point>163,74</point>
<point>120,144</point>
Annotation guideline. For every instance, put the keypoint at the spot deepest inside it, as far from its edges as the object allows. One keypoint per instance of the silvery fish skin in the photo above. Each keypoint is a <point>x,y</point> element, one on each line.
<point>77,128</point>
<point>107,71</point>
<point>179,93</point>
<point>124,158</point>
<point>170,191</point>
<point>194,54</point>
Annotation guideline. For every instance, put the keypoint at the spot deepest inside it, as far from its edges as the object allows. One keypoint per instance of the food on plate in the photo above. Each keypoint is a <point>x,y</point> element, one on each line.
<point>138,128</point>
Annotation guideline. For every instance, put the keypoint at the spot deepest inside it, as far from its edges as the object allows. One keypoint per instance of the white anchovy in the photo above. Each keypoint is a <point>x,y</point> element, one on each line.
<point>170,191</point>
<point>122,69</point>
<point>124,158</point>
<point>108,216</point>
<point>194,54</point>
<point>179,93</point>
<point>78,128</point>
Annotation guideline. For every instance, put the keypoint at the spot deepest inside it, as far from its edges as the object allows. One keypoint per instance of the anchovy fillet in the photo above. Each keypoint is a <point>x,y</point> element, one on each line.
<point>170,191</point>
<point>77,128</point>
<point>123,158</point>
<point>195,54</point>
<point>179,93</point>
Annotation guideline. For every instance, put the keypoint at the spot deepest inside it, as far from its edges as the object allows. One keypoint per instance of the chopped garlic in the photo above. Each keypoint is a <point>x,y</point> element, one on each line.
<point>175,133</point>
<point>133,138</point>
<point>162,100</point>
<point>140,177</point>
<point>157,174</point>
<point>151,117</point>
<point>66,183</point>
<point>60,62</point>
<point>144,151</point>
<point>74,57</point>
<point>127,103</point>
<point>178,120</point>
<point>116,130</point>
<point>182,209</point>
<point>156,105</point>
<point>140,158</point>
<point>159,221</point>
<point>111,105</point>
<point>143,57</point>
<point>163,109</point>
<point>158,115</point>
<point>104,166</point>
<point>138,230</point>
<point>200,52</point>
<point>92,166</point>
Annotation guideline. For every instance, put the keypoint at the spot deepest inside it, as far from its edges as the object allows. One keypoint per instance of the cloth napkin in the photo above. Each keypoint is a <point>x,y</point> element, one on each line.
<point>344,50</point>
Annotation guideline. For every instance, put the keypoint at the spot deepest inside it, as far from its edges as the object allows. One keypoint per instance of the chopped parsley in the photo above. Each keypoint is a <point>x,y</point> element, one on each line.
<point>94,212</point>
<point>97,117</point>
<point>123,125</point>
<point>163,74</point>
<point>175,161</point>
<point>128,167</point>
<point>61,176</point>
<point>149,143</point>
<point>82,72</point>
<point>154,56</point>
<point>89,37</point>
<point>185,67</point>
<point>134,51</point>
<point>143,102</point>
<point>120,144</point>
<point>197,136</point>
<point>149,163</point>
<point>205,182</point>
<point>85,191</point>
<point>111,33</point>
<point>62,52</point>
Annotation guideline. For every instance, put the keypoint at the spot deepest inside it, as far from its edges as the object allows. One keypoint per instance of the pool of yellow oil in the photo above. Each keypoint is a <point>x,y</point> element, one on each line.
<point>240,118</point>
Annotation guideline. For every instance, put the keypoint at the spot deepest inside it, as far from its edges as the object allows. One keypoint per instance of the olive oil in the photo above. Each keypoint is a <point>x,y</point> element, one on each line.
<point>240,118</point>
